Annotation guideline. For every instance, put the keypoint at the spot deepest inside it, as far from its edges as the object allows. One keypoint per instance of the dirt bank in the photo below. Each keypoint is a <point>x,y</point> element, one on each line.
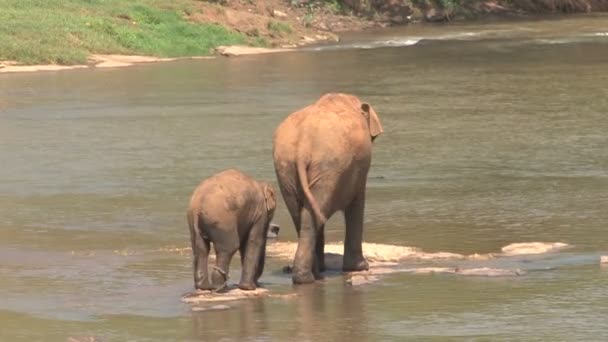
<point>288,24</point>
<point>291,23</point>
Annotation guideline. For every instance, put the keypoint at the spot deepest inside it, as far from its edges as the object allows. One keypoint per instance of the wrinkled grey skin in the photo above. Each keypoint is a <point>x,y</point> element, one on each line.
<point>322,154</point>
<point>233,211</point>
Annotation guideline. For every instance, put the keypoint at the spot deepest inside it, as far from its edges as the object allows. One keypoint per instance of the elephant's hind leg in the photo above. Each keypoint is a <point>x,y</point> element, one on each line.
<point>320,248</point>
<point>219,276</point>
<point>293,206</point>
<point>306,266</point>
<point>353,252</point>
<point>200,251</point>
<point>252,257</point>
<point>224,251</point>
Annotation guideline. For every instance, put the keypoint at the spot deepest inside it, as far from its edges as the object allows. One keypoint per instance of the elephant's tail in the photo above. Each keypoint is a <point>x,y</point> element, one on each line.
<point>321,219</point>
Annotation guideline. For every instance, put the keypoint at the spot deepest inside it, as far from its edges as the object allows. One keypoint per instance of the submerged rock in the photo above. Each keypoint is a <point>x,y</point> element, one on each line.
<point>360,279</point>
<point>532,248</point>
<point>235,50</point>
<point>490,272</point>
<point>375,253</point>
<point>232,293</point>
<point>380,254</point>
<point>365,277</point>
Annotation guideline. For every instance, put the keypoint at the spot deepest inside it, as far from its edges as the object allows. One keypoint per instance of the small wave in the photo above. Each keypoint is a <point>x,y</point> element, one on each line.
<point>580,38</point>
<point>481,271</point>
<point>393,42</point>
<point>369,45</point>
<point>456,36</point>
<point>555,41</point>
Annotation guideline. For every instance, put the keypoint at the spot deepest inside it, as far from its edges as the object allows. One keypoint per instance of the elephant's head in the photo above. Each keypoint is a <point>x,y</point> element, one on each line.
<point>375,127</point>
<point>269,199</point>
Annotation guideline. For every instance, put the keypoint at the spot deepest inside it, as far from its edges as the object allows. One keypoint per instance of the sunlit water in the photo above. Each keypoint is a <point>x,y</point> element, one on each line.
<point>494,133</point>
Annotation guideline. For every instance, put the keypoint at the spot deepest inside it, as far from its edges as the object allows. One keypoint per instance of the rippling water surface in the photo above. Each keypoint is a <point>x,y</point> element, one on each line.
<point>495,133</point>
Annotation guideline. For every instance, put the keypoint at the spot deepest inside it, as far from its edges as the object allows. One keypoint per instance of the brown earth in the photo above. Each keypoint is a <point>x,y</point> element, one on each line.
<point>278,23</point>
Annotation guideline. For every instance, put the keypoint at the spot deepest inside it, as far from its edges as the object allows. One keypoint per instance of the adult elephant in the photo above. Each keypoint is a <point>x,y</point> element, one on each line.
<point>322,154</point>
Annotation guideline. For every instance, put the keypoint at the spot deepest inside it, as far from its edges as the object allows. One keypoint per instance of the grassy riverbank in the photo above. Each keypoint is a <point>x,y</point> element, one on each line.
<point>67,31</point>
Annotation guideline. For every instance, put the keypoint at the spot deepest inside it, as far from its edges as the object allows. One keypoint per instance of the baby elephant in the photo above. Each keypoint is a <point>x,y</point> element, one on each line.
<point>233,211</point>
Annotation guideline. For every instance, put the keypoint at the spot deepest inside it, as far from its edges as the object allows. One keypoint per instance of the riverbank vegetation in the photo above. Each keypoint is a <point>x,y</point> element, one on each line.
<point>67,31</point>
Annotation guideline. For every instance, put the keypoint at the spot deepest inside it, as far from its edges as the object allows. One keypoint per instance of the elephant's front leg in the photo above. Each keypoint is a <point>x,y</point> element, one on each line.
<point>353,252</point>
<point>304,262</point>
<point>253,257</point>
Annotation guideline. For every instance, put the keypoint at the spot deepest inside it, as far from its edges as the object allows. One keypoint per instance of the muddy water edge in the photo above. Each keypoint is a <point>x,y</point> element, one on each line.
<point>496,133</point>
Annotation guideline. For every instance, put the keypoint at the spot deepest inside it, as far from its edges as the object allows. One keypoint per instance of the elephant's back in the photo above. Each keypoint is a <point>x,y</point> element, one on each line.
<point>335,129</point>
<point>288,130</point>
<point>286,137</point>
<point>331,127</point>
<point>223,191</point>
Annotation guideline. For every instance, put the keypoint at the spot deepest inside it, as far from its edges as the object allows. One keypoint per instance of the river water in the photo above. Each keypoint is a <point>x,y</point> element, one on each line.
<point>495,133</point>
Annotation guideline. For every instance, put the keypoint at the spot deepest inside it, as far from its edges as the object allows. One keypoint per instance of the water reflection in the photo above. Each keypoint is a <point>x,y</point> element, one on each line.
<point>353,312</point>
<point>331,313</point>
<point>242,321</point>
<point>311,312</point>
<point>318,312</point>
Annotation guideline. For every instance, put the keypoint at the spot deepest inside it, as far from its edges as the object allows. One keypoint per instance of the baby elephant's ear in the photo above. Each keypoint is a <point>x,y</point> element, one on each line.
<point>271,202</point>
<point>375,127</point>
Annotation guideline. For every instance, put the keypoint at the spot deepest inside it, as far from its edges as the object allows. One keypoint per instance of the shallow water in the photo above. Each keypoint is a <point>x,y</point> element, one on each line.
<point>495,133</point>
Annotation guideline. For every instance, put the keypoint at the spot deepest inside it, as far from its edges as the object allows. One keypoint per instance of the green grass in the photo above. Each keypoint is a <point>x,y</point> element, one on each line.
<point>334,6</point>
<point>67,31</point>
<point>279,27</point>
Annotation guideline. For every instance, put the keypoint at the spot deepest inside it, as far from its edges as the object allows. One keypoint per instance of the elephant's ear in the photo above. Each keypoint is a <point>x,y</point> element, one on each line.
<point>269,198</point>
<point>375,127</point>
